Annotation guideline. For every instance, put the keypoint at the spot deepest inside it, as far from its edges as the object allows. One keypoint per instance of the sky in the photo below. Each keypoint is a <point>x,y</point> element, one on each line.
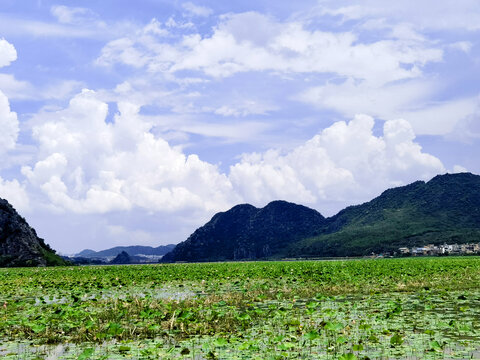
<point>135,122</point>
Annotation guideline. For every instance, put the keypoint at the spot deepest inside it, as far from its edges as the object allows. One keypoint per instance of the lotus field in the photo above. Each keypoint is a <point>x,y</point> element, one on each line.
<point>416,308</point>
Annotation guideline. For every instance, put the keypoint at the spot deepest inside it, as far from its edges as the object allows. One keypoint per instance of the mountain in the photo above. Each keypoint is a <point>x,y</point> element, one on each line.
<point>86,253</point>
<point>19,243</point>
<point>246,232</point>
<point>122,258</point>
<point>130,250</point>
<point>444,209</point>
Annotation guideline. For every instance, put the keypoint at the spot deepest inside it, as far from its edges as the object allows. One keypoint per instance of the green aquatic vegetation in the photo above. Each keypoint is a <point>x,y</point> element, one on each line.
<point>405,308</point>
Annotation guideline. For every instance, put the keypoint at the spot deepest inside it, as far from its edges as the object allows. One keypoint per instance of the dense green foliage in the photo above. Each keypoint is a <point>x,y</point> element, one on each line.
<point>392,308</point>
<point>245,232</point>
<point>444,210</point>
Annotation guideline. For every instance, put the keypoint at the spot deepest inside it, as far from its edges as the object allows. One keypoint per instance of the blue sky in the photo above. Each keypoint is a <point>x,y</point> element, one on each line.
<point>134,122</point>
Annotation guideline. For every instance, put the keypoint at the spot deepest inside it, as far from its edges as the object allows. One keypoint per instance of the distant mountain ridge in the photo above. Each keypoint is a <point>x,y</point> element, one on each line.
<point>19,243</point>
<point>130,250</point>
<point>444,209</point>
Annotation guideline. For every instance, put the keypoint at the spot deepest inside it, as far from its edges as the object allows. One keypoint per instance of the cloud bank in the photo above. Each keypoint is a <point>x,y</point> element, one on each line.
<point>88,165</point>
<point>255,42</point>
<point>345,163</point>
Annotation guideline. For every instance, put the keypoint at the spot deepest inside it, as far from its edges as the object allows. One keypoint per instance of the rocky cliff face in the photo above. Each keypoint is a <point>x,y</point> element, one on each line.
<point>19,243</point>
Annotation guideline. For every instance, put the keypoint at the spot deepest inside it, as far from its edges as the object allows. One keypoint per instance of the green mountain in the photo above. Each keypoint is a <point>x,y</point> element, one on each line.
<point>121,259</point>
<point>130,250</point>
<point>445,209</point>
<point>19,243</point>
<point>245,232</point>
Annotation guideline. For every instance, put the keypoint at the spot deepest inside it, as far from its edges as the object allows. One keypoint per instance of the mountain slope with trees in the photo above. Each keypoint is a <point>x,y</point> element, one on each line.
<point>444,209</point>
<point>246,232</point>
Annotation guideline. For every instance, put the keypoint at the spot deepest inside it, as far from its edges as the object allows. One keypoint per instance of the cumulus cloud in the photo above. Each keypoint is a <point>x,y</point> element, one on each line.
<point>15,193</point>
<point>12,190</point>
<point>255,42</point>
<point>8,53</point>
<point>87,165</point>
<point>8,124</point>
<point>345,163</point>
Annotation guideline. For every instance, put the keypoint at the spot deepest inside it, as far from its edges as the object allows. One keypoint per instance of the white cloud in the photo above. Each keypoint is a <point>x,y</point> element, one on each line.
<point>468,128</point>
<point>459,169</point>
<point>291,48</point>
<point>244,108</point>
<point>72,15</point>
<point>15,194</point>
<point>408,100</point>
<point>8,125</point>
<point>171,23</point>
<point>350,12</point>
<point>197,10</point>
<point>350,97</point>
<point>429,14</point>
<point>254,42</point>
<point>72,23</point>
<point>441,118</point>
<point>21,89</point>
<point>345,164</point>
<point>13,88</point>
<point>464,46</point>
<point>141,49</point>
<point>86,165</point>
<point>231,132</point>
<point>17,26</point>
<point>187,116</point>
<point>8,53</point>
